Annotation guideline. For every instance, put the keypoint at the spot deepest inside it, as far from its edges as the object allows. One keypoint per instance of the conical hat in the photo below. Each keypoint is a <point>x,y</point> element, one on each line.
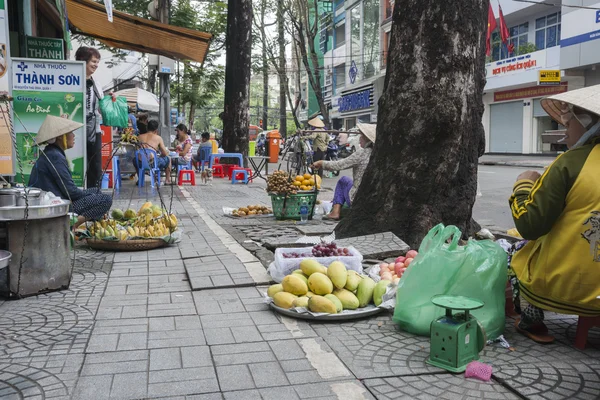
<point>369,130</point>
<point>54,127</point>
<point>316,122</point>
<point>587,99</point>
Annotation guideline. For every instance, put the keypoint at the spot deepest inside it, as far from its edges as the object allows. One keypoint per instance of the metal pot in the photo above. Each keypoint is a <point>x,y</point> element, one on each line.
<point>34,197</point>
<point>8,197</point>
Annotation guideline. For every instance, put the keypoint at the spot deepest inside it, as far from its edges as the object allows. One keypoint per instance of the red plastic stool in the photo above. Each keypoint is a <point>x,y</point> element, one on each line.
<point>228,168</point>
<point>239,176</point>
<point>186,176</point>
<point>218,171</point>
<point>583,326</point>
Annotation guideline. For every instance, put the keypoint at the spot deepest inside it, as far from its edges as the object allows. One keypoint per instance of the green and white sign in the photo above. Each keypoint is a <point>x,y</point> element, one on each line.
<point>40,88</point>
<point>44,48</point>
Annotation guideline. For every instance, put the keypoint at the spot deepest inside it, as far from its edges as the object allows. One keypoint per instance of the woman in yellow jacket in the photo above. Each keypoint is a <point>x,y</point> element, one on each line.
<point>558,269</point>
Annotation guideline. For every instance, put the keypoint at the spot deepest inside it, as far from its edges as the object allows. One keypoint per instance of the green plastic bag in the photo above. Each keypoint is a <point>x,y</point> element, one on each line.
<point>114,113</point>
<point>477,270</point>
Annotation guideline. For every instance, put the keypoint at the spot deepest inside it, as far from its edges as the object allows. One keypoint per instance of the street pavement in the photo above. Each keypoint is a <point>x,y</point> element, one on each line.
<point>189,322</point>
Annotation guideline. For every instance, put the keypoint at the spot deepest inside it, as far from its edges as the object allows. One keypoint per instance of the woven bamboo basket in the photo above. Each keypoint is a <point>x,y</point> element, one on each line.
<point>126,245</point>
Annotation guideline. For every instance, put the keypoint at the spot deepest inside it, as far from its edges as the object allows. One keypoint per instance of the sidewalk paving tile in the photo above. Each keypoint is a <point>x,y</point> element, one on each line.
<point>216,271</point>
<point>439,386</point>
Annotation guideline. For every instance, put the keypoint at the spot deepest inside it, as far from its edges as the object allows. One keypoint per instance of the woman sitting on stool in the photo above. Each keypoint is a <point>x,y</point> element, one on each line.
<point>51,171</point>
<point>346,187</point>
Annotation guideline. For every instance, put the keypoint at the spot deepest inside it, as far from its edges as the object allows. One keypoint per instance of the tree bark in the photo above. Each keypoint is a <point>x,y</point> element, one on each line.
<point>237,76</point>
<point>423,169</point>
<point>282,71</point>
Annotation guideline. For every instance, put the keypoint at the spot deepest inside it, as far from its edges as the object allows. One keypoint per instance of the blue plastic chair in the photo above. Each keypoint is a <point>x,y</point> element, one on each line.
<point>144,164</point>
<point>205,153</point>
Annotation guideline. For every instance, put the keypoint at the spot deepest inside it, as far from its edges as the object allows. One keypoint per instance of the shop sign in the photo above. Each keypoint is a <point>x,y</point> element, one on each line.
<point>6,141</point>
<point>518,64</point>
<point>355,101</point>
<point>41,88</point>
<point>580,26</point>
<point>549,77</point>
<point>530,92</point>
<point>44,48</point>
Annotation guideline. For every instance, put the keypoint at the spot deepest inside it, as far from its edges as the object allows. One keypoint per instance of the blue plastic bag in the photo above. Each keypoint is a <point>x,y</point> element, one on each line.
<point>478,270</point>
<point>114,113</point>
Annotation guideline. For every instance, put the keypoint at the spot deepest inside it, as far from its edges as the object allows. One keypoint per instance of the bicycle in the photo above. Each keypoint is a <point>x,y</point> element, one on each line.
<point>299,155</point>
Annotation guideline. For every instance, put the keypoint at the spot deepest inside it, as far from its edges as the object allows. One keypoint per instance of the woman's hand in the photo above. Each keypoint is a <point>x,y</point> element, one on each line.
<point>529,175</point>
<point>317,164</point>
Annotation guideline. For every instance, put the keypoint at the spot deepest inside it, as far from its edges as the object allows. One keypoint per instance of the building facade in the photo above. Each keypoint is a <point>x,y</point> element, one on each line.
<point>544,37</point>
<point>354,67</point>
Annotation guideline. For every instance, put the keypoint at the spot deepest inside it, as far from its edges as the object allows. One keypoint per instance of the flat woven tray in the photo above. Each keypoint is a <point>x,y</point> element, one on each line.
<point>126,245</point>
<point>347,315</point>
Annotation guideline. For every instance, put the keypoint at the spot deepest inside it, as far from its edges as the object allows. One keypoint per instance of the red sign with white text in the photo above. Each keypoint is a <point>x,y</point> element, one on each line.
<point>530,92</point>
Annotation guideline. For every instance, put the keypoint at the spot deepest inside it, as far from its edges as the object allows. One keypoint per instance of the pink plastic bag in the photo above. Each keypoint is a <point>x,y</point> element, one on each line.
<point>479,370</point>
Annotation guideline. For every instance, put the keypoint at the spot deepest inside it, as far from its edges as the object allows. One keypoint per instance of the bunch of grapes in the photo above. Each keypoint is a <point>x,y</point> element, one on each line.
<point>329,250</point>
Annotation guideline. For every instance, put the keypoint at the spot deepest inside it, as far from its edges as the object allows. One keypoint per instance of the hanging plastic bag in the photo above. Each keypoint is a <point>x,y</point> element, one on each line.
<point>114,113</point>
<point>477,270</point>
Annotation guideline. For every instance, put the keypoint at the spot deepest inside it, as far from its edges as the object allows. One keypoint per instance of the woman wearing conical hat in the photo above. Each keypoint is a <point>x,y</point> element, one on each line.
<point>558,213</point>
<point>51,171</point>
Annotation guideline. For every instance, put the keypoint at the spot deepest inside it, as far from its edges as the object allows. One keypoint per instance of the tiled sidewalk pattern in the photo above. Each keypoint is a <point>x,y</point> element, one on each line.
<point>189,322</point>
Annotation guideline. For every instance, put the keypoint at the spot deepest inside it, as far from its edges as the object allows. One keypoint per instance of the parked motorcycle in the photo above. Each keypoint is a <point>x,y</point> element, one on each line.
<point>332,154</point>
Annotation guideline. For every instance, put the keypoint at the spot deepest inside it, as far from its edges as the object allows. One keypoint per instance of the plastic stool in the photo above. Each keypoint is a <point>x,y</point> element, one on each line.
<point>186,176</point>
<point>234,176</point>
<point>583,326</point>
<point>227,169</point>
<point>238,171</point>
<point>218,171</point>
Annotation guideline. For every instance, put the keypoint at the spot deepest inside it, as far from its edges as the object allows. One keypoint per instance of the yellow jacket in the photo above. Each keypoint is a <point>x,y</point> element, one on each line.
<point>559,269</point>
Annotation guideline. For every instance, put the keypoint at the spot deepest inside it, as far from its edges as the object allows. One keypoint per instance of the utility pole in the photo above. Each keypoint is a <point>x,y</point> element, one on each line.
<point>164,97</point>
<point>282,74</point>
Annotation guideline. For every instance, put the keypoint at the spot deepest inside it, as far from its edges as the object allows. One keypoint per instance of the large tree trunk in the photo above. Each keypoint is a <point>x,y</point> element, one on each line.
<point>237,76</point>
<point>282,71</point>
<point>423,170</point>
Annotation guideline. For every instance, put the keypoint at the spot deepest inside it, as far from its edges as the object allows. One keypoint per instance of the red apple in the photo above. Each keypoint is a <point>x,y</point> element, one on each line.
<point>408,261</point>
<point>400,259</point>
<point>411,254</point>
<point>398,267</point>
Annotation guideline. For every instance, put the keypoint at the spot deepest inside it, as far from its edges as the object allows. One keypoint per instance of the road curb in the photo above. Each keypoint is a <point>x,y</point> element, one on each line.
<point>511,164</point>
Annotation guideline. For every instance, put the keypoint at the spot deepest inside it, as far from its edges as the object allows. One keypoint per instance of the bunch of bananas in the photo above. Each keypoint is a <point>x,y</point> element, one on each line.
<point>107,228</point>
<point>128,137</point>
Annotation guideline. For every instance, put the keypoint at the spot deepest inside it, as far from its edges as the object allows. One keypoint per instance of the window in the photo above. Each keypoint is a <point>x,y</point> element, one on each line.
<point>340,75</point>
<point>518,37</point>
<point>355,50</point>
<point>340,35</point>
<point>547,31</point>
<point>370,37</point>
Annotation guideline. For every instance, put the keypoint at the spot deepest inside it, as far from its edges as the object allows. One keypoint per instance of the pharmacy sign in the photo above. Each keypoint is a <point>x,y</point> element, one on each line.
<point>44,48</point>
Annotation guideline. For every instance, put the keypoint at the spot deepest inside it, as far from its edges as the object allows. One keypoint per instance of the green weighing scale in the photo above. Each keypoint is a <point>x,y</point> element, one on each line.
<point>456,339</point>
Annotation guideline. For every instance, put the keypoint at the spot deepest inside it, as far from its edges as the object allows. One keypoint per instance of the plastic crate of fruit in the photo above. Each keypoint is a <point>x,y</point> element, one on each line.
<point>287,206</point>
<point>288,259</point>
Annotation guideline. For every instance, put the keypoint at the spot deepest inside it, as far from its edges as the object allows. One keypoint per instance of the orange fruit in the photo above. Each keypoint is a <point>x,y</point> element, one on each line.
<point>306,176</point>
<point>297,183</point>
<point>311,181</point>
<point>306,182</point>
<point>300,178</point>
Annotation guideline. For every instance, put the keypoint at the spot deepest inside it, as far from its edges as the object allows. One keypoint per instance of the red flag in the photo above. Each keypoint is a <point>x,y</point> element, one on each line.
<point>504,35</point>
<point>491,27</point>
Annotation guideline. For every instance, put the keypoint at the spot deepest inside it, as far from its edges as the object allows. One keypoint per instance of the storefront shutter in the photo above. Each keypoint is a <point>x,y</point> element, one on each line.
<point>506,127</point>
